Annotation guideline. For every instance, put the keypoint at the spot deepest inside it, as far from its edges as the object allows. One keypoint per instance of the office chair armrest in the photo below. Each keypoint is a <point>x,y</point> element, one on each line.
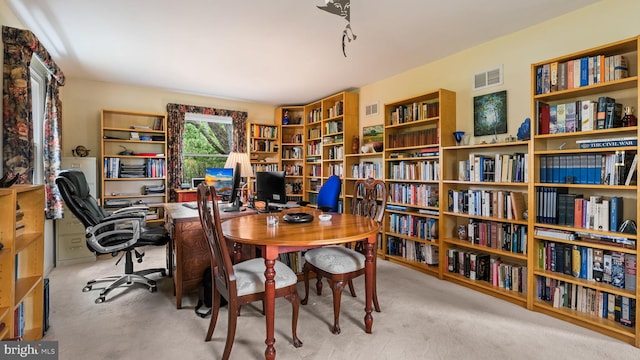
<point>131,209</point>
<point>129,226</point>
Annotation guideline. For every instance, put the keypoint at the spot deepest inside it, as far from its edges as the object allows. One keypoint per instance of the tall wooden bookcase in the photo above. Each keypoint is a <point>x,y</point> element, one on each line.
<point>22,261</point>
<point>264,148</point>
<point>292,149</point>
<point>414,130</point>
<point>480,185</point>
<point>133,161</point>
<point>330,125</point>
<point>603,293</point>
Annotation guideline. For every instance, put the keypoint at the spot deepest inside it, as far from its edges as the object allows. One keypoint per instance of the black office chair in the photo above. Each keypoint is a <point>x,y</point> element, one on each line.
<point>109,233</point>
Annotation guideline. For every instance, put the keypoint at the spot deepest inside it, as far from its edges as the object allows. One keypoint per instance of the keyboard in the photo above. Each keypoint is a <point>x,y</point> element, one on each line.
<point>284,206</point>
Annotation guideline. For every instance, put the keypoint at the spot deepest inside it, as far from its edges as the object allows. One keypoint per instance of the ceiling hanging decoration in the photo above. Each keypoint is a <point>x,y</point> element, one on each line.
<point>341,8</point>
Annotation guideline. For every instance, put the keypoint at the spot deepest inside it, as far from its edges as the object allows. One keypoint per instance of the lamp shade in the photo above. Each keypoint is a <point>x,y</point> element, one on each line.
<point>245,163</point>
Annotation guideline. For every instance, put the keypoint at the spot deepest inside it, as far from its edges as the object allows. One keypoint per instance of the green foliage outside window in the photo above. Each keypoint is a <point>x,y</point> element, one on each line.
<point>206,144</point>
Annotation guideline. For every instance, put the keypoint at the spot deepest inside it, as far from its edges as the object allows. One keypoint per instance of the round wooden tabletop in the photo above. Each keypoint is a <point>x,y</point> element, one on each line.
<point>341,228</point>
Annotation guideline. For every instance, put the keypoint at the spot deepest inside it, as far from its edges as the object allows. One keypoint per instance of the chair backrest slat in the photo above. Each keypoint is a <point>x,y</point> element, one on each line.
<point>224,276</point>
<point>369,198</point>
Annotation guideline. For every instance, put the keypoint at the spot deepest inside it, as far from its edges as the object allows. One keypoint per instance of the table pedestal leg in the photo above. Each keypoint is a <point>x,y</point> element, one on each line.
<point>368,276</point>
<point>269,300</point>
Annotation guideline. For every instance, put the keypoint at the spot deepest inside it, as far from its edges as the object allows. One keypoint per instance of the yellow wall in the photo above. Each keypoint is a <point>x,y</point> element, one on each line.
<point>595,25</point>
<point>82,101</point>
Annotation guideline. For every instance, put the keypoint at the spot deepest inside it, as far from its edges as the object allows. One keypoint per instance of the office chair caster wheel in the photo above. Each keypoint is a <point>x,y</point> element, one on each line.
<point>100,300</point>
<point>86,288</point>
<point>153,289</point>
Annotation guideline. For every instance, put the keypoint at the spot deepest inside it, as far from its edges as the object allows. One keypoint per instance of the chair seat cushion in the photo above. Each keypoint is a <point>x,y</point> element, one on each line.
<point>250,276</point>
<point>335,259</point>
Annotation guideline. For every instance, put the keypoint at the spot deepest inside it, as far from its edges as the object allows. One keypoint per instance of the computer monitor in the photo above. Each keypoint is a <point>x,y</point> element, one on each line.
<point>234,199</point>
<point>270,187</point>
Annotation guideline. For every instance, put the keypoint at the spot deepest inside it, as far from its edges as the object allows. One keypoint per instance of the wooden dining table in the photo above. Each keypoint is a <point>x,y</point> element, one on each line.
<point>287,237</point>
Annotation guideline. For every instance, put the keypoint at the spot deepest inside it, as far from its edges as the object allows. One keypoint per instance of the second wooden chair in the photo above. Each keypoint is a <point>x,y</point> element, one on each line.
<point>339,264</point>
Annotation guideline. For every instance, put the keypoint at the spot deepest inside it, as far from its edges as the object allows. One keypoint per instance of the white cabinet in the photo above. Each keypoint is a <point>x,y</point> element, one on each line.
<point>71,245</point>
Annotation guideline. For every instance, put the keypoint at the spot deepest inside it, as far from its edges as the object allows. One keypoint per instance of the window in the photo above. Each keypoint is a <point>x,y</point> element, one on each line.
<point>207,143</point>
<point>38,88</point>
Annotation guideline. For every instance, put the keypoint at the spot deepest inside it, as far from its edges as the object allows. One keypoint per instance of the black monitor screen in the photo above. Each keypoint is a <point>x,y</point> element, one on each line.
<point>235,183</point>
<point>270,187</point>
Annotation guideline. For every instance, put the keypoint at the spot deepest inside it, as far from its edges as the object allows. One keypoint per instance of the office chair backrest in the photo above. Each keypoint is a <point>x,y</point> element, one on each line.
<point>370,198</point>
<point>329,194</point>
<point>75,191</point>
<point>224,277</point>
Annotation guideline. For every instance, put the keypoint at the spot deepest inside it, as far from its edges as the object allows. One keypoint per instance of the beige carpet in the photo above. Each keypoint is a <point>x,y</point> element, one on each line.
<point>422,318</point>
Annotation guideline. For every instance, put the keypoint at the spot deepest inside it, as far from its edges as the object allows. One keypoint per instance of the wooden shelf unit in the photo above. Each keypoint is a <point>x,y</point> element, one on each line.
<point>330,125</point>
<point>478,187</point>
<point>263,144</point>
<point>292,149</point>
<point>22,262</point>
<point>118,133</point>
<point>546,148</point>
<point>414,130</point>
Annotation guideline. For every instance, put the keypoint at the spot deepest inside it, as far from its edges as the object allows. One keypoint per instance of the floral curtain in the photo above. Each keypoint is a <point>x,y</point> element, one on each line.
<point>175,131</point>
<point>52,151</point>
<point>17,122</point>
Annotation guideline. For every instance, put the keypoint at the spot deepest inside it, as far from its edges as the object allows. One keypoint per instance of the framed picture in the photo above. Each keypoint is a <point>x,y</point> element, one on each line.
<point>373,135</point>
<point>490,114</point>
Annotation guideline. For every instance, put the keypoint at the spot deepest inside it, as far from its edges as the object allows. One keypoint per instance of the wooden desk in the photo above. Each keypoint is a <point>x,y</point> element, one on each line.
<point>284,237</point>
<point>188,251</point>
<point>185,195</point>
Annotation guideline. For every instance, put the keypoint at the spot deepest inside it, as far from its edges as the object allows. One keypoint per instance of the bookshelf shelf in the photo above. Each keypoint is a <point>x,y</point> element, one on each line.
<point>124,173</point>
<point>21,261</point>
<point>583,186</point>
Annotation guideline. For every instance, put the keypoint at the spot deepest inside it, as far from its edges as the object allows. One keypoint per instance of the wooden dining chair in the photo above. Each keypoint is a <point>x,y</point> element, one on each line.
<point>341,264</point>
<point>243,282</point>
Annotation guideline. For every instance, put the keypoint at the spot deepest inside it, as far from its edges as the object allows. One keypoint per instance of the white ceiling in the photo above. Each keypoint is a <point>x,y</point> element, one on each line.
<point>274,52</point>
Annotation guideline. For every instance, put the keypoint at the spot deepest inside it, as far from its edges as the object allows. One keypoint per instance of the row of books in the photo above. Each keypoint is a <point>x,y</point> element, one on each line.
<point>263,131</point>
<point>494,168</point>
<point>413,138</point>
<point>596,213</point>
<point>336,110</point>
<point>315,115</point>
<point>412,250</point>
<point>497,235</point>
<point>366,169</point>
<point>617,168</point>
<point>484,267</point>
<point>413,112</point>
<point>335,169</point>
<point>264,145</point>
<point>425,170</point>
<point>586,300</point>
<point>19,321</point>
<point>293,170</point>
<point>424,152</point>
<point>151,168</point>
<point>333,127</point>
<point>293,187</point>
<point>335,152</point>
<point>314,148</point>
<point>415,226</point>
<point>20,225</point>
<point>257,167</point>
<point>579,115</point>
<point>585,71</point>
<point>413,194</point>
<point>604,266</point>
<point>292,153</point>
<point>314,133</point>
<point>490,203</point>
<point>294,260</point>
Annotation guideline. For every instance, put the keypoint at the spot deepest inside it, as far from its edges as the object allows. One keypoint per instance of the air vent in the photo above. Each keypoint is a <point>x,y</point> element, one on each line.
<point>371,109</point>
<point>488,78</point>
